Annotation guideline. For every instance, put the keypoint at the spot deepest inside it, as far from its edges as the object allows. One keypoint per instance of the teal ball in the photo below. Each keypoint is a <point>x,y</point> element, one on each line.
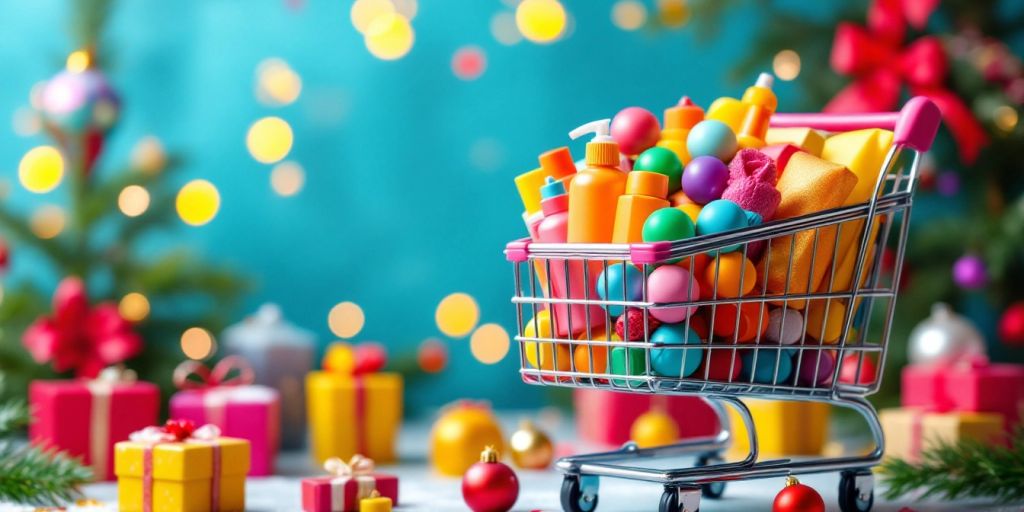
<point>675,362</point>
<point>614,283</point>
<point>712,138</point>
<point>662,161</point>
<point>764,371</point>
<point>719,216</point>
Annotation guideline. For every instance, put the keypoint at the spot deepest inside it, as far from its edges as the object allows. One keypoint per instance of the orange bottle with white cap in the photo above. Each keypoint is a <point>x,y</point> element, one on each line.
<point>679,119</point>
<point>596,189</point>
<point>645,193</point>
<point>759,104</point>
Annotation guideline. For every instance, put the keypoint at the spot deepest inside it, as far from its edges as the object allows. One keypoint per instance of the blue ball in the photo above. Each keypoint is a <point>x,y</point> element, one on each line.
<point>719,216</point>
<point>672,362</point>
<point>765,370</point>
<point>712,138</point>
<point>610,286</point>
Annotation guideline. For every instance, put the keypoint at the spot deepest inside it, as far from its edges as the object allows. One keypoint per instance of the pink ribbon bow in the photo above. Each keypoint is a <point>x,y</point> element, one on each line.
<point>230,371</point>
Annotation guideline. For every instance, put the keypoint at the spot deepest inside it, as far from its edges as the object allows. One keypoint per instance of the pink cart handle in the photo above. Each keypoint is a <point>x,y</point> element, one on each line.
<point>914,126</point>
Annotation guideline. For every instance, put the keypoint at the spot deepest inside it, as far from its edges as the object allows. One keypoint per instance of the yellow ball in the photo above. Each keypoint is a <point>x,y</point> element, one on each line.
<point>654,428</point>
<point>546,352</point>
<point>339,358</point>
<point>197,202</point>
<point>460,434</point>
<point>825,329</point>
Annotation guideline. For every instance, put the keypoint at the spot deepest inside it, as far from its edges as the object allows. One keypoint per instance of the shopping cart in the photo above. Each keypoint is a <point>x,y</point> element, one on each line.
<point>861,297</point>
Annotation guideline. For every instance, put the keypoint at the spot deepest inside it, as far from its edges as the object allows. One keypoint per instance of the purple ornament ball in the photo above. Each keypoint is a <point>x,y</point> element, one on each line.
<point>826,364</point>
<point>705,179</point>
<point>969,272</point>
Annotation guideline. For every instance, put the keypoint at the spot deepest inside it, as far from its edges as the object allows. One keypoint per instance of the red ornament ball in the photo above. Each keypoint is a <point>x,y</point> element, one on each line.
<point>432,356</point>
<point>635,318</point>
<point>848,373</point>
<point>489,485</point>
<point>636,130</point>
<point>797,497</point>
<point>1011,325</point>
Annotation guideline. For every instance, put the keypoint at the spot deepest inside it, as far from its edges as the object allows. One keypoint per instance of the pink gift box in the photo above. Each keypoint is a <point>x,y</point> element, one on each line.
<point>78,417</point>
<point>605,417</point>
<point>976,387</point>
<point>342,494</point>
<point>246,412</point>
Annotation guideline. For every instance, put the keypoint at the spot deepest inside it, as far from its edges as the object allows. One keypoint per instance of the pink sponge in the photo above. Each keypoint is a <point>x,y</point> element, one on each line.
<point>751,185</point>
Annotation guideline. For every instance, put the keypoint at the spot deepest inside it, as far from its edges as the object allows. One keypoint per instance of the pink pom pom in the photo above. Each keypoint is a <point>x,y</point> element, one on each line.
<point>752,179</point>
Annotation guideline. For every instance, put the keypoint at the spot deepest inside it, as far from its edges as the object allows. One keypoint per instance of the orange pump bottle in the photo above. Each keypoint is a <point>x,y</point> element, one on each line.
<point>679,119</point>
<point>645,193</point>
<point>596,188</point>
<point>759,104</point>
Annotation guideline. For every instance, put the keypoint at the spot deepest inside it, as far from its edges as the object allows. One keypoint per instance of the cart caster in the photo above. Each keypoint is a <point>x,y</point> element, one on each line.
<point>856,490</point>
<point>711,490</point>
<point>579,493</point>
<point>680,499</point>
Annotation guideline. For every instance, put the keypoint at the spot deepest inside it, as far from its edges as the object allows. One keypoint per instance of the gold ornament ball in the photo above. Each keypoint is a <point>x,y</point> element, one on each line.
<point>531,448</point>
<point>458,436</point>
<point>654,428</point>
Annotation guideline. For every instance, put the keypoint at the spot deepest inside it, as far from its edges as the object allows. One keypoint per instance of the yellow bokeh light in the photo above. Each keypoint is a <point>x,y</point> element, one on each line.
<point>79,61</point>
<point>197,343</point>
<point>407,8</point>
<point>1005,117</point>
<point>363,12</point>
<point>389,37</point>
<point>149,155</point>
<point>47,222</point>
<point>629,14</point>
<point>673,13</point>
<point>133,200</point>
<point>277,83</point>
<point>269,139</point>
<point>134,307</point>
<point>540,21</point>
<point>489,344</point>
<point>41,169</point>
<point>786,65</point>
<point>346,319</point>
<point>504,30</point>
<point>197,202</point>
<point>287,179</point>
<point>457,315</point>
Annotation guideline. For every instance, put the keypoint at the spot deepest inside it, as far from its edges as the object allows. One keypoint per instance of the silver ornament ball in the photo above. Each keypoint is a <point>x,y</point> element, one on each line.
<point>944,338</point>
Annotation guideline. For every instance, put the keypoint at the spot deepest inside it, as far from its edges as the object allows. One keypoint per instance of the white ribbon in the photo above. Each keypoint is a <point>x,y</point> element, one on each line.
<point>101,388</point>
<point>358,467</point>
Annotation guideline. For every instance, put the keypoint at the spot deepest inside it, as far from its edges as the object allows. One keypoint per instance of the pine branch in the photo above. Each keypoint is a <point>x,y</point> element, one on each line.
<point>29,474</point>
<point>966,469</point>
<point>13,416</point>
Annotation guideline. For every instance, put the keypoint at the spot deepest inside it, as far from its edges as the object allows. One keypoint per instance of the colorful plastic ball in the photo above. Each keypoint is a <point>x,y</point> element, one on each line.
<point>695,263</point>
<point>545,355</point>
<point>704,179</point>
<point>785,326</point>
<point>735,274</point>
<point>582,356</point>
<point>719,365</point>
<point>691,209</point>
<point>753,321</point>
<point>969,272</point>
<point>826,326</point>
<point>666,225</point>
<point>662,161</point>
<point>764,370</point>
<point>620,281</point>
<point>822,361</point>
<point>673,362</point>
<point>670,283</point>
<point>79,101</point>
<point>654,428</point>
<point>848,370</point>
<point>712,138</point>
<point>1011,325</point>
<point>634,320</point>
<point>456,437</point>
<point>719,216</point>
<point>635,130</point>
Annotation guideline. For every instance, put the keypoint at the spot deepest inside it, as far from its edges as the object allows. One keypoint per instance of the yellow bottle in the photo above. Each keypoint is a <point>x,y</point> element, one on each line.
<point>760,103</point>
<point>645,193</point>
<point>596,189</point>
<point>557,164</point>
<point>678,121</point>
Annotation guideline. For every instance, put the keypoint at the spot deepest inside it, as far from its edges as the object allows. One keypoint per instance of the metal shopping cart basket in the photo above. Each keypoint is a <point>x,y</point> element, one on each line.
<point>864,307</point>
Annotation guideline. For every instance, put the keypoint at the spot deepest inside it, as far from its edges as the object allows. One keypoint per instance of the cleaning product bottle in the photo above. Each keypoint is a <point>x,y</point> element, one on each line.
<point>596,188</point>
<point>678,121</point>
<point>645,193</point>
<point>759,104</point>
<point>557,163</point>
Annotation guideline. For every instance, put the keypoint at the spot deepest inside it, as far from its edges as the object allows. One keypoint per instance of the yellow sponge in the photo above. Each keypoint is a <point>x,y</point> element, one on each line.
<point>807,139</point>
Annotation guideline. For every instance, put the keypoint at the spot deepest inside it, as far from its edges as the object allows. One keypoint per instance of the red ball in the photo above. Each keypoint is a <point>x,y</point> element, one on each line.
<point>636,130</point>
<point>719,366</point>
<point>797,497</point>
<point>848,370</point>
<point>490,487</point>
<point>635,317</point>
<point>1011,325</point>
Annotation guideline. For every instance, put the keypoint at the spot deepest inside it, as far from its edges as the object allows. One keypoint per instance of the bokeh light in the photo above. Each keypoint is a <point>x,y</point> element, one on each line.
<point>277,83</point>
<point>489,344</point>
<point>269,139</point>
<point>148,155</point>
<point>629,14</point>
<point>504,29</point>
<point>287,179</point>
<point>673,13</point>
<point>197,202</point>
<point>540,21</point>
<point>486,154</point>
<point>26,122</point>
<point>407,8</point>
<point>197,343</point>
<point>47,221</point>
<point>363,12</point>
<point>469,62</point>
<point>134,307</point>
<point>389,36</point>
<point>1005,117</point>
<point>78,61</point>
<point>457,315</point>
<point>346,319</point>
<point>786,65</point>
<point>432,355</point>
<point>41,169</point>
<point>133,200</point>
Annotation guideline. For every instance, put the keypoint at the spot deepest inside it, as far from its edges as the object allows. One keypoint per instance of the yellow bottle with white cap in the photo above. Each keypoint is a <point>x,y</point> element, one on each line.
<point>748,116</point>
<point>596,189</point>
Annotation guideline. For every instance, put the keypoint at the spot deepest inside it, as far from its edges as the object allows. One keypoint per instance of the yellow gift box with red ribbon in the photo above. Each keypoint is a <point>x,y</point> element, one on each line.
<point>783,427</point>
<point>909,430</point>
<point>353,408</point>
<point>161,470</point>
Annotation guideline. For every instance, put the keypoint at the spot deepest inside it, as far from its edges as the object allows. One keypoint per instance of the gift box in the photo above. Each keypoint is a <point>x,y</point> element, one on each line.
<point>978,386</point>
<point>237,408</point>
<point>783,427</point>
<point>347,485</point>
<point>908,430</point>
<point>354,413</point>
<point>606,417</point>
<point>196,471</point>
<point>78,416</point>
<point>281,355</point>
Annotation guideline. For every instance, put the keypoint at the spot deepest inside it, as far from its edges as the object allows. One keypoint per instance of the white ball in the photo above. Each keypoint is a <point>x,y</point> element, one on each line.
<point>785,326</point>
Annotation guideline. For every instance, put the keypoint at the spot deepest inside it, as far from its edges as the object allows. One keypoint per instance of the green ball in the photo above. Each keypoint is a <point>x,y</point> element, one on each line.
<point>662,161</point>
<point>666,225</point>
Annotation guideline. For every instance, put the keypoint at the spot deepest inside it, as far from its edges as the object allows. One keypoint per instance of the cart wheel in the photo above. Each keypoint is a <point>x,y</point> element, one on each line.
<point>856,491</point>
<point>711,490</point>
<point>579,493</point>
<point>683,499</point>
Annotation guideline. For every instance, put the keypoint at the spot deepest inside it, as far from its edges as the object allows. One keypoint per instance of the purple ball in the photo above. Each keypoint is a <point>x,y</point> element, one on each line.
<point>826,364</point>
<point>705,179</point>
<point>969,272</point>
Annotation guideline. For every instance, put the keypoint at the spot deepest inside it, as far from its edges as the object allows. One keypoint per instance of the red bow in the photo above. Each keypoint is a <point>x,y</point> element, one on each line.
<point>78,336</point>
<point>876,57</point>
<point>230,371</point>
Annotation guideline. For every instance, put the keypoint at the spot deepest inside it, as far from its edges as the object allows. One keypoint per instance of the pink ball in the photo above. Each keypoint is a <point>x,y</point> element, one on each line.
<point>635,130</point>
<point>670,283</point>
